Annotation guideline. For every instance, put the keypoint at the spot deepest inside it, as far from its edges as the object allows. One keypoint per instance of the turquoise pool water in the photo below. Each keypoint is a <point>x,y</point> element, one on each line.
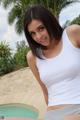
<point>18,110</point>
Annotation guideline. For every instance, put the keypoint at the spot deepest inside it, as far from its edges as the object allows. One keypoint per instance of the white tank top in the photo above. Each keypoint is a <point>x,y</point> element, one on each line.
<point>61,74</point>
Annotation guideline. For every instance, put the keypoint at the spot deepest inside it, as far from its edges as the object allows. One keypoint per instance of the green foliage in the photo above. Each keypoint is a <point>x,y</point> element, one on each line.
<point>76,20</point>
<point>9,62</point>
<point>20,55</point>
<point>6,60</point>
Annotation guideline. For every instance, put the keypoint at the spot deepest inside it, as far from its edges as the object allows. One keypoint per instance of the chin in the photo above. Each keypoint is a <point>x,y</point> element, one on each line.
<point>45,47</point>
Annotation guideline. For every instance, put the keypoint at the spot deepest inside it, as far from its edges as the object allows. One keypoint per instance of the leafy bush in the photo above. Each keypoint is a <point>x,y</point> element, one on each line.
<point>20,55</point>
<point>6,59</point>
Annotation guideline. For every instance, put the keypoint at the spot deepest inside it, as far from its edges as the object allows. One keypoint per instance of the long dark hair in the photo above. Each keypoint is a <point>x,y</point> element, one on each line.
<point>50,22</point>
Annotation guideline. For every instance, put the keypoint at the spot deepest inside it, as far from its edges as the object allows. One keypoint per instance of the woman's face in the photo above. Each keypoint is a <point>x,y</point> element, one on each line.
<point>39,33</point>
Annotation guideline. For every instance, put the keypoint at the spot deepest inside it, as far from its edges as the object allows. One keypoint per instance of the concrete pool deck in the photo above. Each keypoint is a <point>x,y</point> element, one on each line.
<point>21,87</point>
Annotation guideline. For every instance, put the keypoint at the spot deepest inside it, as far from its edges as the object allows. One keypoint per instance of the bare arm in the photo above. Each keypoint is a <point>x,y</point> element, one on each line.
<point>32,64</point>
<point>74,34</point>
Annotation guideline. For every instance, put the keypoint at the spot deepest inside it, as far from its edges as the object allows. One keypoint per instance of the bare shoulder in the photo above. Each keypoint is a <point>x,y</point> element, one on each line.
<point>73,32</point>
<point>73,29</point>
<point>29,55</point>
<point>30,58</point>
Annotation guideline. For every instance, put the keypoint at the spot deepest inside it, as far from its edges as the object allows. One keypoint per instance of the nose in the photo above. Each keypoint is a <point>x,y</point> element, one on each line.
<point>38,36</point>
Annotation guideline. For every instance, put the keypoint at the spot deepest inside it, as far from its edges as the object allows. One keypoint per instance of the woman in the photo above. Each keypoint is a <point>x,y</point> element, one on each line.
<point>55,62</point>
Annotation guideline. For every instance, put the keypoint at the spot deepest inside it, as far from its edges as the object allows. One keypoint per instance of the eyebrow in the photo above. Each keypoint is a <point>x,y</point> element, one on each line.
<point>41,25</point>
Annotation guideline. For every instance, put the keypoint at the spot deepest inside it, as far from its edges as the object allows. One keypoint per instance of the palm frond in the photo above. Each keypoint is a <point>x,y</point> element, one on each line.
<point>6,3</point>
<point>14,14</point>
<point>67,3</point>
<point>19,26</point>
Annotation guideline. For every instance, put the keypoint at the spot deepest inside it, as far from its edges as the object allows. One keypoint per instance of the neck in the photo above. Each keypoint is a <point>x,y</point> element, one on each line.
<point>53,49</point>
<point>53,44</point>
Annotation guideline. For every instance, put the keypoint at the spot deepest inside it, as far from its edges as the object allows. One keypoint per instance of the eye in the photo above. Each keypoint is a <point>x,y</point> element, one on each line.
<point>41,28</point>
<point>32,33</point>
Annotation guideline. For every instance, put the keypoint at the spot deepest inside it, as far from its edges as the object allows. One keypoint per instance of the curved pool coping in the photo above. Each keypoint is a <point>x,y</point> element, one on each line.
<point>20,105</point>
<point>30,107</point>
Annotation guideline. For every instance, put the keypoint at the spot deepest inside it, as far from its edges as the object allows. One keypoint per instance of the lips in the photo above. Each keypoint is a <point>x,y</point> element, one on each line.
<point>42,40</point>
<point>44,43</point>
